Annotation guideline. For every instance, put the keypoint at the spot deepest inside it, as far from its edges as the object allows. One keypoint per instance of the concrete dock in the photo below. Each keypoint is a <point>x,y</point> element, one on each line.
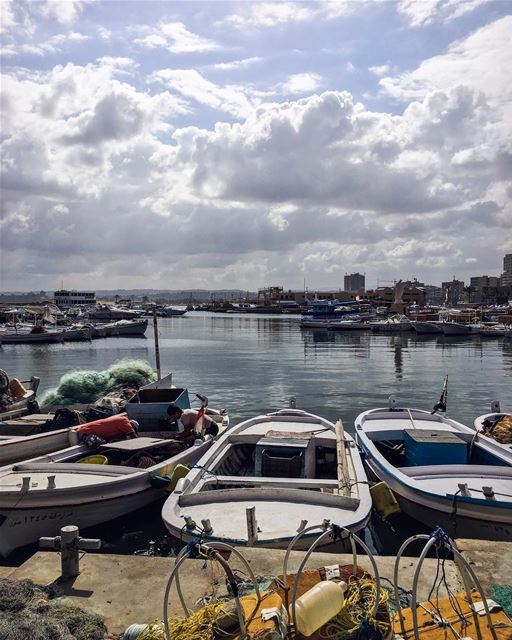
<point>130,589</point>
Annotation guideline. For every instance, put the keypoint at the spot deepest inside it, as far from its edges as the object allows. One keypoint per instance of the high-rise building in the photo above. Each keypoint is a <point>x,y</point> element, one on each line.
<point>453,292</point>
<point>354,282</point>
<point>482,282</point>
<point>506,276</point>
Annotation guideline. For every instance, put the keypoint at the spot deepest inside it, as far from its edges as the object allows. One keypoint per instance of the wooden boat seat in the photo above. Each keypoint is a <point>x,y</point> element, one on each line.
<point>457,470</point>
<point>73,467</point>
<point>271,494</point>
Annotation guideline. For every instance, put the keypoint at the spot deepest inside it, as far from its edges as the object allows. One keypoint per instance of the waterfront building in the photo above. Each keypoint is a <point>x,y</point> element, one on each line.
<point>433,295</point>
<point>65,298</point>
<point>506,276</point>
<point>453,292</point>
<point>410,293</point>
<point>354,283</point>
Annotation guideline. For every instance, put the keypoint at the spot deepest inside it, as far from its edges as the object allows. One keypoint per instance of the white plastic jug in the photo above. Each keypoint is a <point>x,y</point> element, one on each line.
<point>319,605</point>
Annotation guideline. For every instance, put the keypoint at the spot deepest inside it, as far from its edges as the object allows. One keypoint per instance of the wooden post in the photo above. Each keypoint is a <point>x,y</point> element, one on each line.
<point>341,455</point>
<point>157,348</point>
<point>252,526</point>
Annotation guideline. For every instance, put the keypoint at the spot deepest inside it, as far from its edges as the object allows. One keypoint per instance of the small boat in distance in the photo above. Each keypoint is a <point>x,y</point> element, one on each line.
<point>137,327</point>
<point>268,477</point>
<point>172,310</point>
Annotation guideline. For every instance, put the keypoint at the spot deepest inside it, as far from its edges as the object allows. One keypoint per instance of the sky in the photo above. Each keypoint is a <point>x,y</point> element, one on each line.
<point>247,144</point>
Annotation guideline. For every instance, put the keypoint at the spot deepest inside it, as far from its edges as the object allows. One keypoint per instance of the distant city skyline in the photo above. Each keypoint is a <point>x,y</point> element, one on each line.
<point>235,144</point>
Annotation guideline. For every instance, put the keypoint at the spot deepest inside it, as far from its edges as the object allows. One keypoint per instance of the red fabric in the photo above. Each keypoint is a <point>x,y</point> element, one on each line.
<point>107,428</point>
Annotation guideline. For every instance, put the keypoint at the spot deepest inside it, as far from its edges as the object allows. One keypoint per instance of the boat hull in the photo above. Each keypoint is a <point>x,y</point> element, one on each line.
<point>20,527</point>
<point>427,327</point>
<point>458,519</point>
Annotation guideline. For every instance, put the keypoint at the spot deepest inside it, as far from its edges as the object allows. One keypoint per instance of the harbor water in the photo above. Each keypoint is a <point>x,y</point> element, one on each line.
<point>252,364</point>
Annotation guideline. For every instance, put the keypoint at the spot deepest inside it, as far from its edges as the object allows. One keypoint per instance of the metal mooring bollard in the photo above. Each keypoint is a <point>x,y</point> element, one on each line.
<point>69,543</point>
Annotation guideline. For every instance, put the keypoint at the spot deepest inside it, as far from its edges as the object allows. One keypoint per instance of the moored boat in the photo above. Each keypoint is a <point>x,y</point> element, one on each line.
<point>460,329</point>
<point>427,327</point>
<point>76,333</point>
<point>41,495</point>
<point>440,471</point>
<point>36,335</point>
<point>495,427</point>
<point>127,327</point>
<point>171,311</point>
<point>17,398</point>
<point>264,478</point>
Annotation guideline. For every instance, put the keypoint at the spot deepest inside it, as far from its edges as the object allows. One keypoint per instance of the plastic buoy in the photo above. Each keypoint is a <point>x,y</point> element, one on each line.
<point>134,631</point>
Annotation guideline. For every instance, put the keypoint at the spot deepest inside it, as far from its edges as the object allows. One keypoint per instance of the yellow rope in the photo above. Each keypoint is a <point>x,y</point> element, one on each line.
<point>198,626</point>
<point>359,604</point>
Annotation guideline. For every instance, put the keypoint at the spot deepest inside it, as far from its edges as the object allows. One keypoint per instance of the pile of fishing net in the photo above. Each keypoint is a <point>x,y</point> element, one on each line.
<point>26,611</point>
<point>502,430</point>
<point>84,386</point>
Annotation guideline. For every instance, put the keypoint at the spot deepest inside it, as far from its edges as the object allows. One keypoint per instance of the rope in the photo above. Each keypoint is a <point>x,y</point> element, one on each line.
<point>355,619</point>
<point>198,626</point>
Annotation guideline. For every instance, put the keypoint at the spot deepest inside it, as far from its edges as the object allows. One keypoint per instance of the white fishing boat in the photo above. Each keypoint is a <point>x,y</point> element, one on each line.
<point>17,398</point>
<point>41,495</point>
<point>148,407</point>
<point>34,335</point>
<point>440,471</point>
<point>494,330</point>
<point>460,329</point>
<point>136,327</point>
<point>77,333</point>
<point>427,326</point>
<point>171,311</point>
<point>495,426</point>
<point>267,478</point>
<point>393,324</point>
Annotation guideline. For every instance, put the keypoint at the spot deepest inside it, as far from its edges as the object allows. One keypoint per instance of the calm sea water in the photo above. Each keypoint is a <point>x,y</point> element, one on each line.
<point>253,364</point>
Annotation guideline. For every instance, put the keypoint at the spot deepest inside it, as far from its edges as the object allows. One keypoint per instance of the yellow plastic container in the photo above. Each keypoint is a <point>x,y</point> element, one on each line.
<point>180,471</point>
<point>383,500</point>
<point>97,459</point>
<point>319,605</point>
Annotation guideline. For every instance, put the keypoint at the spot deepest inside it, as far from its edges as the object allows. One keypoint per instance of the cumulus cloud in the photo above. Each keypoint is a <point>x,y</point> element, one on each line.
<point>98,165</point>
<point>481,61</point>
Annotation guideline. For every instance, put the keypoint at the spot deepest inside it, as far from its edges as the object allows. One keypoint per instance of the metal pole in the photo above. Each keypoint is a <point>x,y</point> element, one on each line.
<point>157,348</point>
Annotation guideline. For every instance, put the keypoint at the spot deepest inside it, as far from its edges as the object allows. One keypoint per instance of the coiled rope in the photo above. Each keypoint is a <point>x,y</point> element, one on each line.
<point>356,615</point>
<point>198,626</point>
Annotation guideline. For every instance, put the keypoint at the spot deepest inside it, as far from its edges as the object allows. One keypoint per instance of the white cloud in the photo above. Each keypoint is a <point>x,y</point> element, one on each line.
<point>64,11</point>
<point>238,64</point>
<point>176,38</point>
<point>233,99</point>
<point>423,12</point>
<point>482,61</point>
<point>7,17</point>
<point>272,14</point>
<point>301,83</point>
<point>379,70</point>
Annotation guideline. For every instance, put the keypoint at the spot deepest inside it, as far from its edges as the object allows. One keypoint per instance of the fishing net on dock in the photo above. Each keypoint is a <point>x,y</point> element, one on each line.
<point>28,612</point>
<point>85,386</point>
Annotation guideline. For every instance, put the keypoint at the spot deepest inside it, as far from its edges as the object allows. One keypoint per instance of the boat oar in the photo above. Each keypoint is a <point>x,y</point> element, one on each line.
<point>341,455</point>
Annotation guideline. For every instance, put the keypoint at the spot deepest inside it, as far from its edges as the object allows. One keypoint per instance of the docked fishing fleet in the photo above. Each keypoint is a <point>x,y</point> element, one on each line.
<point>260,482</point>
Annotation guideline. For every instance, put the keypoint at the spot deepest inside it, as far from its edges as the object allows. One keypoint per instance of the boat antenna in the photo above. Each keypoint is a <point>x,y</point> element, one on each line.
<point>443,400</point>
